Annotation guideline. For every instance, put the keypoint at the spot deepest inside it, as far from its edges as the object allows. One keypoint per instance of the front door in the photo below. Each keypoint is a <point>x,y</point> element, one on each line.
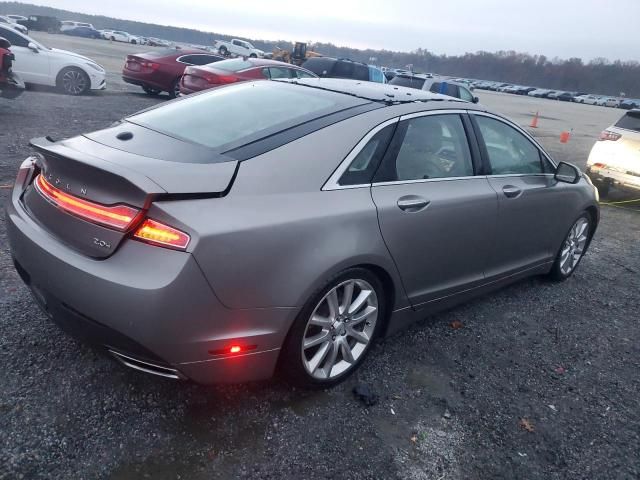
<point>532,205</point>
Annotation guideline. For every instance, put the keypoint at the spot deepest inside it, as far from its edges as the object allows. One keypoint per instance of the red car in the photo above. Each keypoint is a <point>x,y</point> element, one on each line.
<point>160,70</point>
<point>238,70</point>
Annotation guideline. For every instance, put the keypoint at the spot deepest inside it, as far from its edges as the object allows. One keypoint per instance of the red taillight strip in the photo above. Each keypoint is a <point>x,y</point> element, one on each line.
<point>119,217</point>
<point>157,233</point>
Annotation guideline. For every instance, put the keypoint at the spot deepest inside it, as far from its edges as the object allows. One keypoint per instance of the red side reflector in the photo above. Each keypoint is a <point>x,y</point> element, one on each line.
<point>162,235</point>
<point>233,350</point>
<point>119,217</point>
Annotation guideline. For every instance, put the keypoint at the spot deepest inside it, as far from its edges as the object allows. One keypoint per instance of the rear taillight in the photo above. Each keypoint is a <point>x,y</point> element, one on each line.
<point>156,233</point>
<point>151,65</point>
<point>119,217</point>
<point>214,79</point>
<point>598,165</point>
<point>609,135</point>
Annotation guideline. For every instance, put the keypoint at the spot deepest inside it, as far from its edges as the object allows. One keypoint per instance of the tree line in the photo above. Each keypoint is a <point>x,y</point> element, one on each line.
<point>596,76</point>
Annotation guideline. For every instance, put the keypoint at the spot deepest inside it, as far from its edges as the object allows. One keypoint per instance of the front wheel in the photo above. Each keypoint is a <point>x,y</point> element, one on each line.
<point>73,81</point>
<point>572,249</point>
<point>253,55</point>
<point>335,329</point>
<point>223,51</point>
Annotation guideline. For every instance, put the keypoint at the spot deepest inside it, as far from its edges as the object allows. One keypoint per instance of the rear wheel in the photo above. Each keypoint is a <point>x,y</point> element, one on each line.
<point>151,91</point>
<point>572,249</point>
<point>335,330</point>
<point>223,51</point>
<point>175,88</point>
<point>73,81</point>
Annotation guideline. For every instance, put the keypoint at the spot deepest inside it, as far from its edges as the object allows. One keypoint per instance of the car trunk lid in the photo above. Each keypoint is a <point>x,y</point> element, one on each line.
<point>88,178</point>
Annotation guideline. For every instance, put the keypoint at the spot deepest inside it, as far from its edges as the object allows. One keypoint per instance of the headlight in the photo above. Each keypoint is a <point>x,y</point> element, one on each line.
<point>97,67</point>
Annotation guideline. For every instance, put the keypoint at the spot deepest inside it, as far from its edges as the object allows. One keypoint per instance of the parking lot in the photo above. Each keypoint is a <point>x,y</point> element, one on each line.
<point>561,360</point>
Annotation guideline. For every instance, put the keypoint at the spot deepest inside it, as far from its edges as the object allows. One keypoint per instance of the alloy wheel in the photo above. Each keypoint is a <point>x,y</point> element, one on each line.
<point>339,329</point>
<point>74,82</point>
<point>574,246</point>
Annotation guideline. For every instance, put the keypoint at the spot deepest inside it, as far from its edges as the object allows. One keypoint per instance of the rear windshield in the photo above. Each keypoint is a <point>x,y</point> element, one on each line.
<point>233,116</point>
<point>163,52</point>
<point>233,65</point>
<point>412,82</point>
<point>630,121</point>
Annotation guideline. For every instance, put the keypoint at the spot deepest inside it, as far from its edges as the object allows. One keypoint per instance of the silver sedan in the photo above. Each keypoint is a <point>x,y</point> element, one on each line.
<point>287,225</point>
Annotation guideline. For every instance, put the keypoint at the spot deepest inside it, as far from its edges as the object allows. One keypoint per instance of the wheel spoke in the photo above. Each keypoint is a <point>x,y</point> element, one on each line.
<point>359,301</point>
<point>319,356</point>
<point>319,321</point>
<point>347,356</point>
<point>332,301</point>
<point>366,313</point>
<point>359,337</point>
<point>347,297</point>
<point>331,360</point>
<point>316,339</point>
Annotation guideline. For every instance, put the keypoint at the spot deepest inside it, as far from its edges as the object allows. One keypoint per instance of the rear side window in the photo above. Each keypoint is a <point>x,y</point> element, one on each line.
<point>509,151</point>
<point>234,65</point>
<point>630,121</point>
<point>344,70</point>
<point>233,116</point>
<point>200,59</point>
<point>279,72</point>
<point>365,164</point>
<point>411,82</point>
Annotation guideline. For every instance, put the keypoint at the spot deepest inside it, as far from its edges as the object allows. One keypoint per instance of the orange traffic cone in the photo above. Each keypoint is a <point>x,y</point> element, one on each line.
<point>564,137</point>
<point>534,122</point>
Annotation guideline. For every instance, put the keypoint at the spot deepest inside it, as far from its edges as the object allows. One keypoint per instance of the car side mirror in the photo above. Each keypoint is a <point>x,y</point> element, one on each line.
<point>567,173</point>
<point>476,99</point>
<point>33,47</point>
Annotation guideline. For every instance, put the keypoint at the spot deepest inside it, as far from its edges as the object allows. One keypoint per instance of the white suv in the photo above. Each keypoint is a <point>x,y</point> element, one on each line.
<point>615,158</point>
<point>36,64</point>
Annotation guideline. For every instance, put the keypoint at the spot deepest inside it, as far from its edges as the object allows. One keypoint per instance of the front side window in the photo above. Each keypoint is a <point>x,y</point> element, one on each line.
<point>14,38</point>
<point>465,94</point>
<point>509,151</point>
<point>433,146</point>
<point>303,74</point>
<point>279,72</point>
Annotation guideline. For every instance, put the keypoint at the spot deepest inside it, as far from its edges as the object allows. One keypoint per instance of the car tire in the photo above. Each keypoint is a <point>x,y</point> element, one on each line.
<point>134,42</point>
<point>223,51</point>
<point>253,55</point>
<point>175,88</point>
<point>113,39</point>
<point>573,248</point>
<point>331,335</point>
<point>73,81</point>
<point>151,91</point>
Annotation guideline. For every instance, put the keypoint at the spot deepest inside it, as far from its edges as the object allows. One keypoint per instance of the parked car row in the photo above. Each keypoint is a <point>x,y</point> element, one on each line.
<point>561,95</point>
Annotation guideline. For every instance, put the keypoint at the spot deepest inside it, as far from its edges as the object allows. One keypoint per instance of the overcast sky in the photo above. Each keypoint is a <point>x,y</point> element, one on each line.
<point>564,28</point>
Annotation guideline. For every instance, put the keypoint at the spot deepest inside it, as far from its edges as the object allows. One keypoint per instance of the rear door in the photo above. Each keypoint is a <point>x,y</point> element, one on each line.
<point>436,216</point>
<point>532,208</point>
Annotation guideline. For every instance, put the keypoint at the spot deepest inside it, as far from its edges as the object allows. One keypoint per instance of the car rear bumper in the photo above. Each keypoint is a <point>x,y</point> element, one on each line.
<point>141,80</point>
<point>612,178</point>
<point>146,303</point>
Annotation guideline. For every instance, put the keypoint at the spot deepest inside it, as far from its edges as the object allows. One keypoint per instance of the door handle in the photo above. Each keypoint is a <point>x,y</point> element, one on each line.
<point>510,191</point>
<point>412,203</point>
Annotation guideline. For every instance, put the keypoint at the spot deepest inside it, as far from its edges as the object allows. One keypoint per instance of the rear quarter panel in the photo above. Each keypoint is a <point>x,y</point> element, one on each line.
<point>277,237</point>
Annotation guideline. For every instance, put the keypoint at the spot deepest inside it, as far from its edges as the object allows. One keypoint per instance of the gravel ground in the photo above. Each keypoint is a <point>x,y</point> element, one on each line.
<point>561,359</point>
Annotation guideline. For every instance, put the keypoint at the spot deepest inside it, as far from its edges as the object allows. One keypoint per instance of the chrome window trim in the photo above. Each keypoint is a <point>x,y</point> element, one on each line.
<point>519,129</point>
<point>426,180</point>
<point>332,182</point>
